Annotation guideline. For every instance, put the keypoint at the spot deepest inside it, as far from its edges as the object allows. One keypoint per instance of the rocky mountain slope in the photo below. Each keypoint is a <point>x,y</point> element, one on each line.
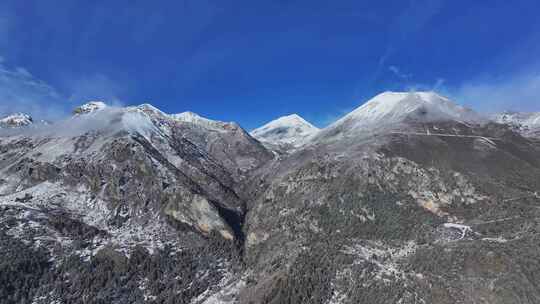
<point>111,184</point>
<point>408,199</point>
<point>418,210</point>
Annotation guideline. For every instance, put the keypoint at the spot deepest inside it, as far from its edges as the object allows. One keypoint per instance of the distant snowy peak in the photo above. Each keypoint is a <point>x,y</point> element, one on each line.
<point>395,110</point>
<point>16,120</point>
<point>397,107</point>
<point>89,107</point>
<point>291,129</point>
<point>391,107</point>
<point>526,122</point>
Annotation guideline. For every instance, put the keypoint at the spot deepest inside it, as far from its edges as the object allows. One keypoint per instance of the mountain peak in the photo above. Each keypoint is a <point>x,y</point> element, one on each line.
<point>395,107</point>
<point>89,107</point>
<point>16,120</point>
<point>290,129</point>
<point>292,119</point>
<point>390,110</point>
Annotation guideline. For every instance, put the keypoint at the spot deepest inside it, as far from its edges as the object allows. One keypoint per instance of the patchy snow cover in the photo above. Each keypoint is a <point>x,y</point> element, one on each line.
<point>90,107</point>
<point>94,212</point>
<point>16,120</point>
<point>464,229</point>
<point>291,129</point>
<point>527,123</point>
<point>226,292</point>
<point>386,259</point>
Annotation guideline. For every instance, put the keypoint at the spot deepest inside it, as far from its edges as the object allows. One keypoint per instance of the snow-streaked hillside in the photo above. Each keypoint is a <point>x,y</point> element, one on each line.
<point>290,130</point>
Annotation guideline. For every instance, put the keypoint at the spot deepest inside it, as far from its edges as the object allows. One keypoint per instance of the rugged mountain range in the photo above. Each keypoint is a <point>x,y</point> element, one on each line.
<point>408,199</point>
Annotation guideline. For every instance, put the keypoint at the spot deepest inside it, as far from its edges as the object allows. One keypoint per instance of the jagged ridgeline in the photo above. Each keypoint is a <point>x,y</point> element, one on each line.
<point>408,199</point>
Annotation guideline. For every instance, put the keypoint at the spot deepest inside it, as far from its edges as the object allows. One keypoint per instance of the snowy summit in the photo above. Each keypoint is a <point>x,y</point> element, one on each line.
<point>391,110</point>
<point>16,120</point>
<point>89,107</point>
<point>291,129</point>
<point>395,107</point>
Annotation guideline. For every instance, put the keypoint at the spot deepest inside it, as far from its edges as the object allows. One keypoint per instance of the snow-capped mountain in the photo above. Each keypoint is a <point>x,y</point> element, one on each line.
<point>90,107</point>
<point>393,110</point>
<point>287,130</point>
<point>16,120</point>
<point>395,107</point>
<point>528,123</point>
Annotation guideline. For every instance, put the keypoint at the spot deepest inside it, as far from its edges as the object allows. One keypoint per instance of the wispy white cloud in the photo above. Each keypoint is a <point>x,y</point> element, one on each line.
<point>4,27</point>
<point>399,73</point>
<point>20,91</point>
<point>407,24</point>
<point>94,87</point>
<point>519,92</point>
<point>439,85</point>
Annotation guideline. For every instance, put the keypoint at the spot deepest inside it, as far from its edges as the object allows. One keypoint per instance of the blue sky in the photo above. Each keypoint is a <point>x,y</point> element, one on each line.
<point>252,61</point>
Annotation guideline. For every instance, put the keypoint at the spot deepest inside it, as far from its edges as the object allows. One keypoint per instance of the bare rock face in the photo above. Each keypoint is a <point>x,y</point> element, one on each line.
<point>133,205</point>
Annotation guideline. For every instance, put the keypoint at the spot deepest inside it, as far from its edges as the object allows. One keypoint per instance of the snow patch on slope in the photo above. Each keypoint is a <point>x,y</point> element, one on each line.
<point>291,129</point>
